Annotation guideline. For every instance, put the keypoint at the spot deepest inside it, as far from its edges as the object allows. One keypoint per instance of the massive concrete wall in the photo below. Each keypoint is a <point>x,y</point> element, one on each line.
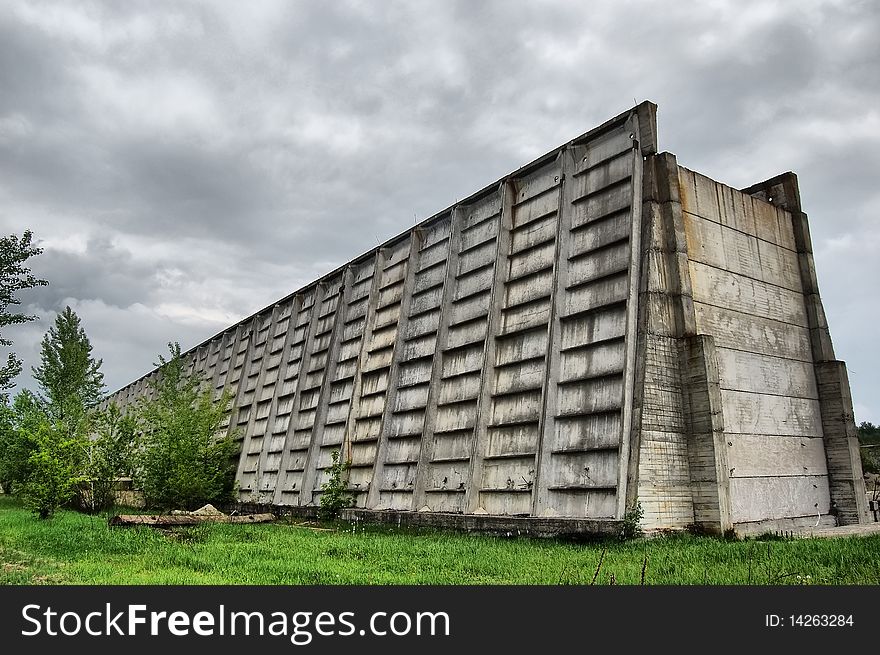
<point>599,328</point>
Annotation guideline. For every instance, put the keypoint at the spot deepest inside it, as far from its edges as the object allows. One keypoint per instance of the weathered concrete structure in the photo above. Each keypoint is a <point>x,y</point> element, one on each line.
<point>600,327</point>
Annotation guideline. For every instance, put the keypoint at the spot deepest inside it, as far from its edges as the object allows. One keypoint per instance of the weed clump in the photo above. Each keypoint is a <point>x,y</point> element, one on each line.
<point>632,522</point>
<point>334,492</point>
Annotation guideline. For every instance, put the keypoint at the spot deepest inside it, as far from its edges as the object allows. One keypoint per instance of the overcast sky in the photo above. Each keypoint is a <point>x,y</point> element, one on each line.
<point>186,164</point>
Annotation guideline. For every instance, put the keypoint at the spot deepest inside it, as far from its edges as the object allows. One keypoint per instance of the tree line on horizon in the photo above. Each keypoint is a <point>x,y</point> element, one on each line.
<point>61,445</point>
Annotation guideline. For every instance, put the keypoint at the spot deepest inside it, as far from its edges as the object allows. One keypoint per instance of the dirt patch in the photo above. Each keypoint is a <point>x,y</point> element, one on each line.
<point>9,567</point>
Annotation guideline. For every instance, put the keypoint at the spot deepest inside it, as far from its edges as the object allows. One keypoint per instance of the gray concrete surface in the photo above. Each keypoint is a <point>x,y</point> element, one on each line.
<point>600,328</point>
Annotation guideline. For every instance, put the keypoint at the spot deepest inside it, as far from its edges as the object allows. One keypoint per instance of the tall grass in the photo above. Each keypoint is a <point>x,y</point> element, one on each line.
<point>77,549</point>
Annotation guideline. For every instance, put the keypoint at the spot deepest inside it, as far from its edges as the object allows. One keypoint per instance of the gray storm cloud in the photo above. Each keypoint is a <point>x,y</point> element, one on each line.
<point>184,165</point>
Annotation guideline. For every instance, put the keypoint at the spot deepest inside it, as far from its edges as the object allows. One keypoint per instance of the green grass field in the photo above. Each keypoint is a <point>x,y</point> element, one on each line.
<point>73,548</point>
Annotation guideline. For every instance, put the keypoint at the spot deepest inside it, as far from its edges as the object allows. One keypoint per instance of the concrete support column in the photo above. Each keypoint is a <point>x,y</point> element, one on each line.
<point>312,459</point>
<point>241,332</point>
<point>633,371</point>
<point>707,445</point>
<point>244,331</point>
<point>659,473</point>
<point>845,478</point>
<point>269,437</point>
<point>426,452</point>
<point>248,429</point>
<point>473,499</point>
<point>345,453</point>
<point>318,292</point>
<point>412,266</point>
<point>541,502</point>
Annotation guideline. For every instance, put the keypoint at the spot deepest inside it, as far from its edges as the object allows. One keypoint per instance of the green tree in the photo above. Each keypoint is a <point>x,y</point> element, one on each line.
<point>18,423</point>
<point>70,379</point>
<point>14,277</point>
<point>106,456</point>
<point>87,453</point>
<point>869,435</point>
<point>186,462</point>
<point>54,463</point>
<point>8,433</point>
<point>868,432</point>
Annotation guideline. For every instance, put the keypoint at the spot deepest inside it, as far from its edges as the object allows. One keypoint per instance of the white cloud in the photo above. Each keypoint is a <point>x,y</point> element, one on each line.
<point>13,128</point>
<point>166,104</point>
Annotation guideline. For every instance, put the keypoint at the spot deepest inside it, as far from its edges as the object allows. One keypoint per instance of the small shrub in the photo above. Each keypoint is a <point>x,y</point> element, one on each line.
<point>106,457</point>
<point>334,494</point>
<point>187,459</point>
<point>54,463</point>
<point>632,519</point>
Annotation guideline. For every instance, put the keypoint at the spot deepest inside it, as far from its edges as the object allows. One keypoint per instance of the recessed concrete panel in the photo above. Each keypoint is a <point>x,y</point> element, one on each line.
<point>737,329</point>
<point>756,413</point>
<point>755,499</point>
<point>406,423</point>
<point>741,370</point>
<point>533,234</point>
<point>752,455</point>
<point>590,432</point>
<point>505,441</point>
<point>456,445</point>
<point>739,293</point>
<point>601,204</point>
